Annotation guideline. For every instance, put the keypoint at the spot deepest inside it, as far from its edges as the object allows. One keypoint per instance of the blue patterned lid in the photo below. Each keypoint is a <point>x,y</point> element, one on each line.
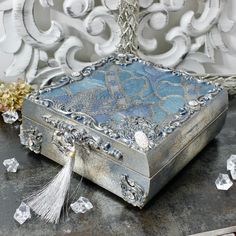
<point>134,96</point>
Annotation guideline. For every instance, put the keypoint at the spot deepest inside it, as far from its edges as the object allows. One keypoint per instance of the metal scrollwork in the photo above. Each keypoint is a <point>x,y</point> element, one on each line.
<point>131,125</point>
<point>31,138</point>
<point>63,142</point>
<point>66,134</point>
<point>132,192</point>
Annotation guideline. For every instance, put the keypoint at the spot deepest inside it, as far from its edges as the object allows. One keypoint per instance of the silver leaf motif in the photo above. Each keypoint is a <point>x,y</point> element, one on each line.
<point>132,192</point>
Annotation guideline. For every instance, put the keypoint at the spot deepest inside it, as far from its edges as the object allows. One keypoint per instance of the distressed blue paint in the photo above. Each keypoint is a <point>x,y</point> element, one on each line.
<point>115,91</point>
<point>165,89</point>
<point>158,113</point>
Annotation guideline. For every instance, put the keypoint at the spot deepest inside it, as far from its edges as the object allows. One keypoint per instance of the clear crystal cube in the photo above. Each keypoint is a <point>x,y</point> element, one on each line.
<point>81,205</point>
<point>10,117</point>
<point>223,182</point>
<point>22,213</point>
<point>231,163</point>
<point>11,164</point>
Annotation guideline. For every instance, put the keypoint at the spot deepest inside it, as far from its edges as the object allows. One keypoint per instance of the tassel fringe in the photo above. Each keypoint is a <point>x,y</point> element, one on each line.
<point>48,202</point>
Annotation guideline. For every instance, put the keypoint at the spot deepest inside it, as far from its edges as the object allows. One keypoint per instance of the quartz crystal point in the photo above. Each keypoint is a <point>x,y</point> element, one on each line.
<point>22,213</point>
<point>81,205</point>
<point>10,117</point>
<point>233,174</point>
<point>231,162</point>
<point>231,166</point>
<point>11,164</point>
<point>223,182</point>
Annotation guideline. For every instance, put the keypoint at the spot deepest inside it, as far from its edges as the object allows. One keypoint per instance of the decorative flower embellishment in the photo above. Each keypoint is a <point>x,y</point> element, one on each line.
<point>13,94</point>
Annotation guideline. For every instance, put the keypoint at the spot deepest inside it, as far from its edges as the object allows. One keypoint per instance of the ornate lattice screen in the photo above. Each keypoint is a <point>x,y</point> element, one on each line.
<point>176,33</point>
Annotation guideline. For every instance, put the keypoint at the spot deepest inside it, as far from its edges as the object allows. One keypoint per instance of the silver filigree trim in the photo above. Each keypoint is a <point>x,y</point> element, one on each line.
<point>129,126</point>
<point>66,134</point>
<point>31,138</point>
<point>132,192</point>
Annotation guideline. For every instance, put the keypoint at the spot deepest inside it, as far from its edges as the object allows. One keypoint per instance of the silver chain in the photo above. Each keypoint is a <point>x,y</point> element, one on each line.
<point>128,22</point>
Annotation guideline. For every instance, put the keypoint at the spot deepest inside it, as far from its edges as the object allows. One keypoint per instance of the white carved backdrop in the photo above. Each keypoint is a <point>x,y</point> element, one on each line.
<point>48,38</point>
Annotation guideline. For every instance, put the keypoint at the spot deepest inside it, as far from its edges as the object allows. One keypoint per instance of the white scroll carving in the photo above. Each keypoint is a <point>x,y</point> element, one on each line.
<point>88,30</point>
<point>65,55</point>
<point>27,29</point>
<point>75,8</point>
<point>96,23</point>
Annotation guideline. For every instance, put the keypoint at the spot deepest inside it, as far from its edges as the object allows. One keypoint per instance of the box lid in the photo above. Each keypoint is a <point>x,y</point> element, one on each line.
<point>135,105</point>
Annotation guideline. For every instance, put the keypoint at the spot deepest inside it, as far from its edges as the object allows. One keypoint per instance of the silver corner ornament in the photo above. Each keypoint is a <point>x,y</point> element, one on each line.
<point>31,138</point>
<point>132,192</point>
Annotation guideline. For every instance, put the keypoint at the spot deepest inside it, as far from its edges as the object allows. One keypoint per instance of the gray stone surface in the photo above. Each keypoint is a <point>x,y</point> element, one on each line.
<point>189,204</point>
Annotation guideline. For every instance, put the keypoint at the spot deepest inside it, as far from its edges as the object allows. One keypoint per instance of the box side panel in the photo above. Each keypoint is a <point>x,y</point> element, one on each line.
<point>147,164</point>
<point>131,157</point>
<point>96,167</point>
<point>164,175</point>
<point>189,130</point>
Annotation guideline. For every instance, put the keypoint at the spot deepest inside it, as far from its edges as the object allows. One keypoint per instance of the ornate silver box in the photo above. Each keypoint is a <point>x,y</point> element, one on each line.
<point>135,126</point>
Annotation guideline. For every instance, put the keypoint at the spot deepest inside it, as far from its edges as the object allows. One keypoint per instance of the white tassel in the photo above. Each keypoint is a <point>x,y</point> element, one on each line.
<point>48,202</point>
